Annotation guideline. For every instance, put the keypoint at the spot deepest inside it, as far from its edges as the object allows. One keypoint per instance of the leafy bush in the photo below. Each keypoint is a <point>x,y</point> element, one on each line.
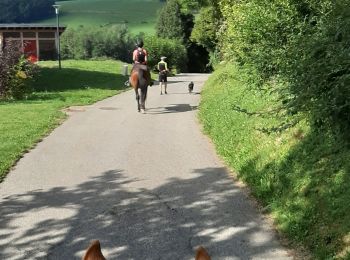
<point>172,49</point>
<point>15,70</point>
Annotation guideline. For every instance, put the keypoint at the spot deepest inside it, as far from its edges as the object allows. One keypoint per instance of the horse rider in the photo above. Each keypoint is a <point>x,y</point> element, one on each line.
<point>163,70</point>
<point>140,56</point>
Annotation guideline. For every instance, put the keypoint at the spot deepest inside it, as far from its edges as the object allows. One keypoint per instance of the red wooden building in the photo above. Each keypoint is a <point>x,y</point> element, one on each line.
<point>38,41</point>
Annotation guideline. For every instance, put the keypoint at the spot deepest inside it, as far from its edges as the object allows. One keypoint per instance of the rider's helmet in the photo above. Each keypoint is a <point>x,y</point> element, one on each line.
<point>140,44</point>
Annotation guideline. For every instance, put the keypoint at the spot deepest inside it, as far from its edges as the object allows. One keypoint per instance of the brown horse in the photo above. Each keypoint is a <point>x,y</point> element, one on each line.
<point>140,79</point>
<point>94,252</point>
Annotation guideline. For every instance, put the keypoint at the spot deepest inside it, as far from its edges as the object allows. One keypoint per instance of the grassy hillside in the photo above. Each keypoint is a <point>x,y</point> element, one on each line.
<point>23,123</point>
<point>138,15</point>
<point>301,177</point>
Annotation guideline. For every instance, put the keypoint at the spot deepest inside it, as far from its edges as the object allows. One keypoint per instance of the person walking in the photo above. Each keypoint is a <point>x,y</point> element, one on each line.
<point>163,71</point>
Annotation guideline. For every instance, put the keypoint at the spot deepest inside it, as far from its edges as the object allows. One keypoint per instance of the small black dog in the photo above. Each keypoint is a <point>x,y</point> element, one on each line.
<point>190,87</point>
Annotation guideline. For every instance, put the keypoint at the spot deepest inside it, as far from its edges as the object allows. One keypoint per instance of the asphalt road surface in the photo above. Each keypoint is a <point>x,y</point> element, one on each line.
<point>148,186</point>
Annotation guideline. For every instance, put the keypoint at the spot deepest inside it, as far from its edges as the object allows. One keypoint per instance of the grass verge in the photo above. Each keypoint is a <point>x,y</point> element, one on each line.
<point>138,15</point>
<point>301,176</point>
<point>23,123</point>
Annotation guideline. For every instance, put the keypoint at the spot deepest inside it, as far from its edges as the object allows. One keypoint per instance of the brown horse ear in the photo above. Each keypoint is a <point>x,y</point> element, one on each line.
<point>94,252</point>
<point>202,254</point>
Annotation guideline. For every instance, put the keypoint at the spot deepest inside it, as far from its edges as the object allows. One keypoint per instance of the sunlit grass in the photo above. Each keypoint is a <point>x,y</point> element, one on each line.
<point>300,175</point>
<point>138,15</point>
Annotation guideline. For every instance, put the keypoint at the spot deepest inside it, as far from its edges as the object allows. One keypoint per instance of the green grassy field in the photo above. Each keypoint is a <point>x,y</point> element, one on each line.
<point>301,177</point>
<point>138,15</point>
<point>23,123</point>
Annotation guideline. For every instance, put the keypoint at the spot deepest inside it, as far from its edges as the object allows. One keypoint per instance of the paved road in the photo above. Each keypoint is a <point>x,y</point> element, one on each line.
<point>148,186</point>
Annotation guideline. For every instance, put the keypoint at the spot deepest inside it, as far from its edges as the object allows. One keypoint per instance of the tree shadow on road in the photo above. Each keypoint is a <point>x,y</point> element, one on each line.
<point>172,108</point>
<point>166,222</point>
<point>185,93</point>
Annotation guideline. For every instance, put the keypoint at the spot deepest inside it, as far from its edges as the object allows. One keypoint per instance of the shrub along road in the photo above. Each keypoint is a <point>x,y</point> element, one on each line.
<point>148,186</point>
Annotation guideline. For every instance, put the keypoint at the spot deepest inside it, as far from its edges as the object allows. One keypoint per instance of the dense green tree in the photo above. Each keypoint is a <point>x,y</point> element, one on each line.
<point>170,23</point>
<point>19,11</point>
<point>205,31</point>
<point>203,36</point>
<point>193,5</point>
<point>190,5</point>
<point>176,21</point>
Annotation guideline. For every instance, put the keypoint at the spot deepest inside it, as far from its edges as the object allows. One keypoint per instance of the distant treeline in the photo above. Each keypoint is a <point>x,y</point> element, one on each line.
<point>21,11</point>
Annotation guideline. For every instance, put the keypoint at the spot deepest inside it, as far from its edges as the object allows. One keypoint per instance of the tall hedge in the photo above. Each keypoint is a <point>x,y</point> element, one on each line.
<point>86,43</point>
<point>298,48</point>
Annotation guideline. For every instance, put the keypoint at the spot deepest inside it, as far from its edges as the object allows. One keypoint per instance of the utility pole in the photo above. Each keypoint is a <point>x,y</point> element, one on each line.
<point>57,7</point>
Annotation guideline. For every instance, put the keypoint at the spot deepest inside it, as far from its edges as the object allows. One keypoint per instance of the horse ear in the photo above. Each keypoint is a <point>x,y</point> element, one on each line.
<point>202,254</point>
<point>94,252</point>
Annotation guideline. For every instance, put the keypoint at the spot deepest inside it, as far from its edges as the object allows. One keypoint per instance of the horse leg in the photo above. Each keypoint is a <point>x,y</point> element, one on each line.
<point>137,98</point>
<point>143,97</point>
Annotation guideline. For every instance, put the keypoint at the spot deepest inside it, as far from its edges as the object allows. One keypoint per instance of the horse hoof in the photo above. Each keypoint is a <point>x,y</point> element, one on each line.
<point>142,111</point>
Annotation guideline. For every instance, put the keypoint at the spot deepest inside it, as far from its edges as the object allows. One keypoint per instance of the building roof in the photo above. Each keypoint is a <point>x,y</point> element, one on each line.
<point>21,26</point>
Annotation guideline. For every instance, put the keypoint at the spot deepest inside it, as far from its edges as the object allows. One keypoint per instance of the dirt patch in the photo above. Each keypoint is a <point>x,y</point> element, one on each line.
<point>74,109</point>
